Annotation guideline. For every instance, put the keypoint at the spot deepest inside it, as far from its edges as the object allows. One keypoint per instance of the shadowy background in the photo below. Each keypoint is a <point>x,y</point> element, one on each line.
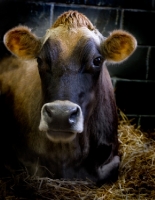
<point>133,80</point>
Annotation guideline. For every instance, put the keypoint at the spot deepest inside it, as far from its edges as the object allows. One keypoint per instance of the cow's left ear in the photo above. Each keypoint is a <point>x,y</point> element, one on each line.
<point>118,46</point>
<point>22,43</point>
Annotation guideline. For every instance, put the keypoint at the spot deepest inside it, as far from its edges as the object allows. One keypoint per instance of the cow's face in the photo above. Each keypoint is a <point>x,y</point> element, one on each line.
<point>69,64</point>
<point>70,61</point>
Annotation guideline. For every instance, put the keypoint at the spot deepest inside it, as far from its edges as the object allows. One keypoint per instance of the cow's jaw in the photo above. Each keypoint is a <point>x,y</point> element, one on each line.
<point>61,120</point>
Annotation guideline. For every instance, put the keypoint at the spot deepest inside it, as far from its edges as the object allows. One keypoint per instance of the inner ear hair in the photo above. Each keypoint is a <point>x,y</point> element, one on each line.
<point>119,46</point>
<point>22,42</point>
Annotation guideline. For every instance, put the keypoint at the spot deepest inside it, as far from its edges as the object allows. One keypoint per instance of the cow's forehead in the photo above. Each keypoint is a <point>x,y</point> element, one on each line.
<point>68,38</point>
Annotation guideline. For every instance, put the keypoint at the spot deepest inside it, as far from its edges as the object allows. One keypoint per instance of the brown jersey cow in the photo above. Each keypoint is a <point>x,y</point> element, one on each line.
<point>58,109</point>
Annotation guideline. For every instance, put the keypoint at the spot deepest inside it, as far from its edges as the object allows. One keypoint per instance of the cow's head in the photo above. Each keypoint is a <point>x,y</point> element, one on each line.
<point>70,61</point>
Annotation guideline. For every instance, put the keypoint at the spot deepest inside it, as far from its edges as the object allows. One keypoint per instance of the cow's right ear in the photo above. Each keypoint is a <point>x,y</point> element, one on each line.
<point>21,42</point>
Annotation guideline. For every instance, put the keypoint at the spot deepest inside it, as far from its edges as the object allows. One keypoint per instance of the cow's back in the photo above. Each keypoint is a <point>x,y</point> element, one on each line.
<point>19,86</point>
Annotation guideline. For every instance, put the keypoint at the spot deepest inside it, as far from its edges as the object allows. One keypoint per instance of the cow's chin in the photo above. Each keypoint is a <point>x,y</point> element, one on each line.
<point>57,136</point>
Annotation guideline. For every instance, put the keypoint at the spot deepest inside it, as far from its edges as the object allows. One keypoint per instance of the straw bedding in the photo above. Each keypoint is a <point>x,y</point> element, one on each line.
<point>136,175</point>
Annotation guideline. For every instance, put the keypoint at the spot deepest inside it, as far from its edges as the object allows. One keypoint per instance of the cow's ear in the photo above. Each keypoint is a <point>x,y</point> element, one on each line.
<point>22,43</point>
<point>118,46</point>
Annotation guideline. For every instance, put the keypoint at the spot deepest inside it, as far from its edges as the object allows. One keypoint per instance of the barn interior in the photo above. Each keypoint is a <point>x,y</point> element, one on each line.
<point>133,82</point>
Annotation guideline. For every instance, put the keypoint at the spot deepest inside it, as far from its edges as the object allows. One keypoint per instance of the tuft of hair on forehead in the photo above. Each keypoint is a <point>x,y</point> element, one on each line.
<point>73,19</point>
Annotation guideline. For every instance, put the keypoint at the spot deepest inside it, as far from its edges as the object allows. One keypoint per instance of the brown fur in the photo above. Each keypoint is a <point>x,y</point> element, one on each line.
<point>73,19</point>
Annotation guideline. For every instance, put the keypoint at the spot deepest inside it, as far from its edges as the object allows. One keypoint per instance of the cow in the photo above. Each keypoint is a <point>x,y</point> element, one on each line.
<point>58,111</point>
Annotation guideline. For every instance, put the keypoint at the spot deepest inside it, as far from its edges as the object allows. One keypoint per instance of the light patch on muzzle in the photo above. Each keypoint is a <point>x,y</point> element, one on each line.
<point>61,120</point>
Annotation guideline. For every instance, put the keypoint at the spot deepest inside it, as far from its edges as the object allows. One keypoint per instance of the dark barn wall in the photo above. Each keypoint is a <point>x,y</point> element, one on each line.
<point>133,80</point>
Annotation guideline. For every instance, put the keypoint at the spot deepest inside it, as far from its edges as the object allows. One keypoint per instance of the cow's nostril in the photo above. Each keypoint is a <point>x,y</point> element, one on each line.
<point>73,115</point>
<point>48,111</point>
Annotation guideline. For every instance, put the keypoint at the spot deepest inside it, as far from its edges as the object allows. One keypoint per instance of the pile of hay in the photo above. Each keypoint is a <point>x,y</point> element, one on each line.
<point>136,175</point>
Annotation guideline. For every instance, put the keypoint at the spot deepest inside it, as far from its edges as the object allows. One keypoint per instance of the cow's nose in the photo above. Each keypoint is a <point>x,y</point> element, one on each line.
<point>61,116</point>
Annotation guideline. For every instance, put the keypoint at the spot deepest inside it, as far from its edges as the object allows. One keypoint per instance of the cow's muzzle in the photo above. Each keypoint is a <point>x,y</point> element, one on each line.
<point>61,120</point>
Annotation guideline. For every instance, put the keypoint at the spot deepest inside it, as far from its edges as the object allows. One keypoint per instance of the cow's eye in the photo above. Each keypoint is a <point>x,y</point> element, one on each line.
<point>97,61</point>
